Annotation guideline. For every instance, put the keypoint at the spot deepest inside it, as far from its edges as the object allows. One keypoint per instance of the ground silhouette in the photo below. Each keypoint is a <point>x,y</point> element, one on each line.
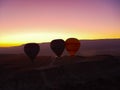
<point>72,73</point>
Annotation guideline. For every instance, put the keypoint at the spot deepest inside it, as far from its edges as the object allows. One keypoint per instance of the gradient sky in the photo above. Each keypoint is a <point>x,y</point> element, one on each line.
<point>23,21</point>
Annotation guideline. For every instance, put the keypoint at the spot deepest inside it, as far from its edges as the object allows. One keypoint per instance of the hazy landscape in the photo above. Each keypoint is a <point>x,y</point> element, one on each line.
<point>88,48</point>
<point>95,67</point>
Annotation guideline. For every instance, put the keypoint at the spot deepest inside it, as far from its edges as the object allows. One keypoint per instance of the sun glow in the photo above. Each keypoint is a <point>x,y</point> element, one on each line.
<point>22,38</point>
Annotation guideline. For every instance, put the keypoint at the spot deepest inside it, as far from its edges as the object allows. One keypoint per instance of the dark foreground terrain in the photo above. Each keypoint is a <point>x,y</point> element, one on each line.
<point>101,72</point>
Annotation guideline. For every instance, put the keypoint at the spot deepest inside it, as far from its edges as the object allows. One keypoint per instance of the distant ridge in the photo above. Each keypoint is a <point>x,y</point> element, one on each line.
<point>88,48</point>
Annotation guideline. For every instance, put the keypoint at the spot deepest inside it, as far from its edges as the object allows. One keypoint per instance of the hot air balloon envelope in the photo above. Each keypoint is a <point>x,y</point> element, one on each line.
<point>72,45</point>
<point>58,46</point>
<point>31,49</point>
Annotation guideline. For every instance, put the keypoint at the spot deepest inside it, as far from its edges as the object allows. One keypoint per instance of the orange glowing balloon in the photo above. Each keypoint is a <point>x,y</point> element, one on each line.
<point>72,46</point>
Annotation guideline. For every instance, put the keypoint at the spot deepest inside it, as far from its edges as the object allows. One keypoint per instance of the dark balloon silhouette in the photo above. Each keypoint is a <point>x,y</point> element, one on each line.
<point>58,46</point>
<point>72,45</point>
<point>31,49</point>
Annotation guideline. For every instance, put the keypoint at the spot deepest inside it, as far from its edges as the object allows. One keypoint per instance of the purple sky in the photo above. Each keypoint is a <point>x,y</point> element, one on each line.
<point>23,21</point>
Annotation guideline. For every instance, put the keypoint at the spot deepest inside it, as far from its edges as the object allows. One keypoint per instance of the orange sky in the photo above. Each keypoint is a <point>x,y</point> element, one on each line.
<point>23,21</point>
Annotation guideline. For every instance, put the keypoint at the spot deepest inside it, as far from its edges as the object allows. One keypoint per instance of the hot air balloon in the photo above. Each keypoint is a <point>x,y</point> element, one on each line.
<point>31,49</point>
<point>72,45</point>
<point>58,46</point>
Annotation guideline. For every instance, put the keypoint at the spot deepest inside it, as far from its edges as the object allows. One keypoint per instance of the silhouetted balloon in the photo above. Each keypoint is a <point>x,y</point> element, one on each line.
<point>72,45</point>
<point>31,49</point>
<point>58,46</point>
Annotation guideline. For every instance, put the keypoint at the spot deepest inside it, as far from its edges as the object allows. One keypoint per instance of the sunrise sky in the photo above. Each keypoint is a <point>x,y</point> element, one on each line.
<point>23,21</point>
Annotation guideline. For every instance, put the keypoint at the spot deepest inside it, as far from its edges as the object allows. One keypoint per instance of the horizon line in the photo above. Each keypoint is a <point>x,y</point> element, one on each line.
<point>53,39</point>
